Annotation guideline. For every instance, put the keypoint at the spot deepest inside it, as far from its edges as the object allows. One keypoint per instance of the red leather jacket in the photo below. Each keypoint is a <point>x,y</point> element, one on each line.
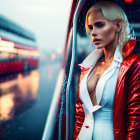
<point>126,117</point>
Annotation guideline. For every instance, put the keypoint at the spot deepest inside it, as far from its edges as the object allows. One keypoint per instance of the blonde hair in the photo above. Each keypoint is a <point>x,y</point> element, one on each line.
<point>112,11</point>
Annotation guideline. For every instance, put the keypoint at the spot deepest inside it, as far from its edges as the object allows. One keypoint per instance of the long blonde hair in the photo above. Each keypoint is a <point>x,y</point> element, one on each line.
<point>112,11</point>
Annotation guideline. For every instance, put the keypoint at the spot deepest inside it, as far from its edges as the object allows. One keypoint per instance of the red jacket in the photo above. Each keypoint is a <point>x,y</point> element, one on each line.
<point>126,117</point>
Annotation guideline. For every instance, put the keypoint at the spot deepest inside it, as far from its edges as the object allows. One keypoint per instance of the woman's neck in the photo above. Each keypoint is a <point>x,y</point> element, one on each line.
<point>109,54</point>
<point>110,50</point>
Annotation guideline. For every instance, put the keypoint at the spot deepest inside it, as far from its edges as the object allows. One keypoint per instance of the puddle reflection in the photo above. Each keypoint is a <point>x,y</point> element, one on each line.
<point>6,107</point>
<point>17,94</point>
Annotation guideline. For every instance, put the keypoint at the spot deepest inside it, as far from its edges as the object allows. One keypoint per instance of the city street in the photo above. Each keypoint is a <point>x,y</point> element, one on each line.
<point>24,103</point>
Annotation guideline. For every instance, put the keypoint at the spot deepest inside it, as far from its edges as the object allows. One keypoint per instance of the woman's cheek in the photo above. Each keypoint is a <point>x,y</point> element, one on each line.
<point>106,31</point>
<point>109,34</point>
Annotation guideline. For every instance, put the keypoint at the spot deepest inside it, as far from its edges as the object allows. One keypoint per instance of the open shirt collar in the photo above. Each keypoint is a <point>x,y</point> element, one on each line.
<point>95,55</point>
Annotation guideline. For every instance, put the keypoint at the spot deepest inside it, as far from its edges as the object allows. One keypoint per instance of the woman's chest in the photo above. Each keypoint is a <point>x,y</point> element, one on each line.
<point>94,76</point>
<point>105,89</point>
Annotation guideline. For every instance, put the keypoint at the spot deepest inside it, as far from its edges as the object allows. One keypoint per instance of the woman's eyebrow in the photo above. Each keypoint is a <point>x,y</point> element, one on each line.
<point>96,23</point>
<point>99,22</point>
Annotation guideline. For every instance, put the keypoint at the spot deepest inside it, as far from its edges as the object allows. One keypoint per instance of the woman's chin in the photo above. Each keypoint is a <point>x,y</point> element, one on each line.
<point>99,47</point>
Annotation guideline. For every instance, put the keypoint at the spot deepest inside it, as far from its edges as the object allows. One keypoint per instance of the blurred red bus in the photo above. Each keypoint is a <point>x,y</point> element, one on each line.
<point>18,51</point>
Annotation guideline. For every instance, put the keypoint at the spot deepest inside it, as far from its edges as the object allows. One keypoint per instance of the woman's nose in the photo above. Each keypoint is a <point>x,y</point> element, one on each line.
<point>93,33</point>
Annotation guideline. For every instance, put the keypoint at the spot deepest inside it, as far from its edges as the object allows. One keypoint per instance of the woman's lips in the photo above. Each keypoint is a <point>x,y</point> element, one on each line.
<point>96,41</point>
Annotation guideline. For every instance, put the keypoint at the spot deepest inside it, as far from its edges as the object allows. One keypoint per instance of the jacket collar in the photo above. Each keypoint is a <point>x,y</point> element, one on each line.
<point>94,56</point>
<point>128,48</point>
<point>91,59</point>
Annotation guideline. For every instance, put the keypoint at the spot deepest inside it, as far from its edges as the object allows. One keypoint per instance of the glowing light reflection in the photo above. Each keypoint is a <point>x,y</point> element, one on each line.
<point>34,80</point>
<point>22,91</point>
<point>6,106</point>
<point>28,85</point>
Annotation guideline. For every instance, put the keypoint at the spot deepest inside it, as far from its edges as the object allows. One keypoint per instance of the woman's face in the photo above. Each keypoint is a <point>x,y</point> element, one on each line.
<point>103,31</point>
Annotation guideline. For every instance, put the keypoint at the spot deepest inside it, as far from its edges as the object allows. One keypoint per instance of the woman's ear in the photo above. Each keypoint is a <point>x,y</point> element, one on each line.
<point>118,24</point>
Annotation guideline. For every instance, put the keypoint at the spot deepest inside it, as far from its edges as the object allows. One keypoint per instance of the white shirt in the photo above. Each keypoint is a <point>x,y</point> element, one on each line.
<point>109,78</point>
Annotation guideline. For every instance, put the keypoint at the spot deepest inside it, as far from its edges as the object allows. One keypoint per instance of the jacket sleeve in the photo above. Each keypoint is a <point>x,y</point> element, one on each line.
<point>133,102</point>
<point>79,114</point>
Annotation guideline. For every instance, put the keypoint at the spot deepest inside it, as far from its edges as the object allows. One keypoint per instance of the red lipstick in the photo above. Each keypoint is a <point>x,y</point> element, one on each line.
<point>96,41</point>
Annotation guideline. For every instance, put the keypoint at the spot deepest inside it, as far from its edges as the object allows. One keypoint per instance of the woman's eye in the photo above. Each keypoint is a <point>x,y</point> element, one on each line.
<point>99,24</point>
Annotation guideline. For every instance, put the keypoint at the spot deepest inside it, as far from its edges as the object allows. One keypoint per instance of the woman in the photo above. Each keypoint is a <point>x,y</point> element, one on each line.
<point>108,103</point>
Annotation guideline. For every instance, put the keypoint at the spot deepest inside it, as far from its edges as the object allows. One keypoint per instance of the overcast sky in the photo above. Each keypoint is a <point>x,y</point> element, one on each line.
<point>48,19</point>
